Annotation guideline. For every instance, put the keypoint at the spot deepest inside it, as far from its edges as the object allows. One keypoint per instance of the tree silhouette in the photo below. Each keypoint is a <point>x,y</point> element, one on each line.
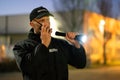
<point>105,7</point>
<point>71,12</point>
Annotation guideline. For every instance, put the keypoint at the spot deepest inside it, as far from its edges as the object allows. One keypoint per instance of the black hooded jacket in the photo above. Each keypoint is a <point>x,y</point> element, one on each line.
<point>37,62</point>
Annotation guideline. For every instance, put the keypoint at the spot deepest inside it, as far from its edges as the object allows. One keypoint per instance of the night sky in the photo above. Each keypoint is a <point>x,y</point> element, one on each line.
<point>12,7</point>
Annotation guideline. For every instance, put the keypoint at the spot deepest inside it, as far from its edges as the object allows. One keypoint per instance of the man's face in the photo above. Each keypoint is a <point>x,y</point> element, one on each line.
<point>38,23</point>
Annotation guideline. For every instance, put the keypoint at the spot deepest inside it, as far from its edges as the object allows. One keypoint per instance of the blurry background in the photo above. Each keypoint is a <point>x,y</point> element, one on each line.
<point>98,22</point>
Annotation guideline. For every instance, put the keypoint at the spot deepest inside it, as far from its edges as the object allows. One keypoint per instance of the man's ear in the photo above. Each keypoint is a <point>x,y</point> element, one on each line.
<point>31,24</point>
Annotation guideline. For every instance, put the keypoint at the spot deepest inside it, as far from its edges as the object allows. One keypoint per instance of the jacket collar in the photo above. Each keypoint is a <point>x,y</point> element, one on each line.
<point>34,36</point>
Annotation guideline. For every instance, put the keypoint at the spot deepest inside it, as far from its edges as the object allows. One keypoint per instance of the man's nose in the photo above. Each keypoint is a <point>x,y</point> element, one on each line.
<point>45,24</point>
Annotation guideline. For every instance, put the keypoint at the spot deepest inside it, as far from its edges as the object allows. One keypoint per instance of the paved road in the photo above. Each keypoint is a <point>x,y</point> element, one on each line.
<point>105,73</point>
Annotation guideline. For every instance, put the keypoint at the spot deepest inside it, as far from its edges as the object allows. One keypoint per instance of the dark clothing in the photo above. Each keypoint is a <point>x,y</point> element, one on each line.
<point>37,62</point>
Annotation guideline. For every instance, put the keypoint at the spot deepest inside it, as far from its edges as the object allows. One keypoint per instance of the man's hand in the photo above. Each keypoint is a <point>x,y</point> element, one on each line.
<point>46,35</point>
<point>70,36</point>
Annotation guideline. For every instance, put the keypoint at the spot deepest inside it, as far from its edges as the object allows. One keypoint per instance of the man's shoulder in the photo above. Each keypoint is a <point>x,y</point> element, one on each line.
<point>23,41</point>
<point>26,42</point>
<point>59,40</point>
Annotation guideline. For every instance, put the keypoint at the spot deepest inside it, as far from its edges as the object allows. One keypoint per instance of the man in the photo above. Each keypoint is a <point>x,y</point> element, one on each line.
<point>42,57</point>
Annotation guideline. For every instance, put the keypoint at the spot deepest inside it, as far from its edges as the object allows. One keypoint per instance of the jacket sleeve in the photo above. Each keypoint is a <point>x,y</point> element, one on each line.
<point>77,56</point>
<point>29,57</point>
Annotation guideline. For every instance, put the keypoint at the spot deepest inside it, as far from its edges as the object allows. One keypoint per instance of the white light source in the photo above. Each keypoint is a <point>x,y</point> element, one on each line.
<point>101,26</point>
<point>54,25</point>
<point>84,38</point>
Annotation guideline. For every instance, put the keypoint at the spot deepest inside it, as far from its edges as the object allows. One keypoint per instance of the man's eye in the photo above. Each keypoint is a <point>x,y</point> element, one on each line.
<point>42,20</point>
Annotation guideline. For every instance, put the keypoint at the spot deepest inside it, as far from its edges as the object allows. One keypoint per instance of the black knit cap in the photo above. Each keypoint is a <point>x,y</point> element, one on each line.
<point>39,12</point>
